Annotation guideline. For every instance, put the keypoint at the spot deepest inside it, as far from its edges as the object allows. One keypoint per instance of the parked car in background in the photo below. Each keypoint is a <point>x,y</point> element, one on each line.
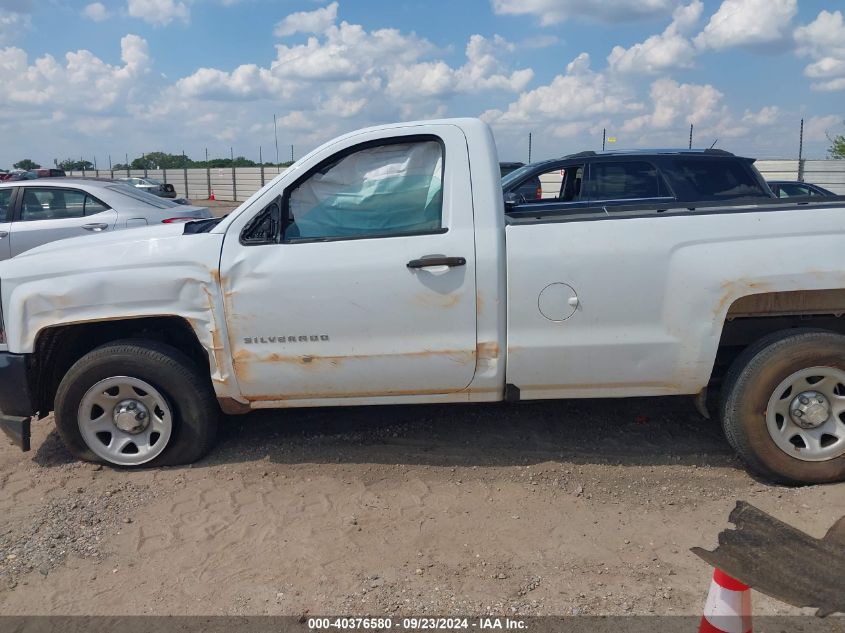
<point>796,189</point>
<point>34,212</point>
<point>19,174</point>
<point>150,185</point>
<point>44,172</point>
<point>659,177</point>
<point>41,172</point>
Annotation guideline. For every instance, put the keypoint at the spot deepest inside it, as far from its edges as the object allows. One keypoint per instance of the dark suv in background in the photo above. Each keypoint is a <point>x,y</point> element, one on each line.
<point>658,177</point>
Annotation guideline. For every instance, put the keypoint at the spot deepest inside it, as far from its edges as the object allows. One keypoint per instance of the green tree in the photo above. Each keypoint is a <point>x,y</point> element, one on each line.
<point>69,164</point>
<point>26,164</point>
<point>837,146</point>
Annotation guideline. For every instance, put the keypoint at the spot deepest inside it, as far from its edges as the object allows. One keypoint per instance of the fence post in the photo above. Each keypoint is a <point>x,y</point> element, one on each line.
<point>207,173</point>
<point>234,179</point>
<point>185,172</point>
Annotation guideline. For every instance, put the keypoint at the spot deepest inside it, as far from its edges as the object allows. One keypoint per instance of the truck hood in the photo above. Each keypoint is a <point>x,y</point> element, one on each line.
<point>138,237</point>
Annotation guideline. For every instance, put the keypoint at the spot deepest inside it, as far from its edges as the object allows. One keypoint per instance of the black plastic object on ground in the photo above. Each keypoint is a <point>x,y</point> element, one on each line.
<point>781,561</point>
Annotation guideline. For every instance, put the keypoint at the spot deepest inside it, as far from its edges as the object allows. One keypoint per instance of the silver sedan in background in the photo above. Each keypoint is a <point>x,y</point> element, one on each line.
<point>34,212</point>
<point>150,185</point>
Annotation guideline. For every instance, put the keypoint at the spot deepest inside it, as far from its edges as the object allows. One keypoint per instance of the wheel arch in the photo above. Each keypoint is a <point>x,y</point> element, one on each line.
<point>58,347</point>
<point>752,317</point>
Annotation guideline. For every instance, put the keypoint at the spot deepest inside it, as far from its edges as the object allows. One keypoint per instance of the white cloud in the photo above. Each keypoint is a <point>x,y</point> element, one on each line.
<point>668,50</point>
<point>482,71</point>
<point>677,105</point>
<point>555,11</point>
<point>316,21</point>
<point>96,11</point>
<point>68,87</point>
<point>765,116</point>
<point>579,95</point>
<point>748,23</point>
<point>824,41</point>
<point>347,61</point>
<point>159,12</point>
<point>12,24</point>
<point>818,128</point>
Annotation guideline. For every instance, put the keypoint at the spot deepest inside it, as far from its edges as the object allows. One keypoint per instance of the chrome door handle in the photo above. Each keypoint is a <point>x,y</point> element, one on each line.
<point>4,234</point>
<point>96,227</point>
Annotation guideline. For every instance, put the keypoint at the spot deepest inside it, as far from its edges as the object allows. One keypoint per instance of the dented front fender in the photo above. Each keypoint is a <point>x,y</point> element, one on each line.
<point>134,274</point>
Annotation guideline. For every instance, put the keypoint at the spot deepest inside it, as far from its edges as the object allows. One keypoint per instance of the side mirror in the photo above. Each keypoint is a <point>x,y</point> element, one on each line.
<point>511,200</point>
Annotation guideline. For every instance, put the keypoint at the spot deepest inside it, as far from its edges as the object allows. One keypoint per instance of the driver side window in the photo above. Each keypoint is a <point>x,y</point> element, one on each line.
<point>390,189</point>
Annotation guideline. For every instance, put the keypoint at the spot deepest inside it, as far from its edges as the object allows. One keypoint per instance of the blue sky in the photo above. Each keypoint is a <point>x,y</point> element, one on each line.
<point>96,79</point>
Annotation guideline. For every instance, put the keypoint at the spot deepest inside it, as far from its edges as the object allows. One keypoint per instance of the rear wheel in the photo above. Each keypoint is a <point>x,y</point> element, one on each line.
<point>134,402</point>
<point>783,406</point>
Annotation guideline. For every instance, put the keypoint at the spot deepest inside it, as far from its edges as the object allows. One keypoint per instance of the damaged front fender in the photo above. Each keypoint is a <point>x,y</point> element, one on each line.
<point>134,274</point>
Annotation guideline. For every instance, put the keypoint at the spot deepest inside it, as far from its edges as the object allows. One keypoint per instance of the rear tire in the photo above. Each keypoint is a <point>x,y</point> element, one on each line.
<point>136,403</point>
<point>783,407</point>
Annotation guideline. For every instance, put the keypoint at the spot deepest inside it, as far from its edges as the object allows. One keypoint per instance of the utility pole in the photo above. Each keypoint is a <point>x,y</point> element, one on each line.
<point>801,152</point>
<point>529,147</point>
<point>690,135</point>
<point>603,138</point>
<point>291,153</point>
<point>276,136</point>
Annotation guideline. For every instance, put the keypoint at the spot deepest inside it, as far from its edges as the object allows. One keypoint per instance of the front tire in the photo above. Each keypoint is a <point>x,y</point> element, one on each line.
<point>783,407</point>
<point>132,403</point>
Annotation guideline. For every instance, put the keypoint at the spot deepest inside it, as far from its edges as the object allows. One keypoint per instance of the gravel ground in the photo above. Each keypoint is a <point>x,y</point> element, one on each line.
<point>580,507</point>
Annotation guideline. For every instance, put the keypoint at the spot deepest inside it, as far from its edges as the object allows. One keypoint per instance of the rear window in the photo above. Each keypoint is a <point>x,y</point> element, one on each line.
<point>716,179</point>
<point>626,180</point>
<point>142,196</point>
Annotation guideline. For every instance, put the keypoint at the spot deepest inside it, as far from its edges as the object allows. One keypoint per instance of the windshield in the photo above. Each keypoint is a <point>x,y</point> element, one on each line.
<point>142,196</point>
<point>516,175</point>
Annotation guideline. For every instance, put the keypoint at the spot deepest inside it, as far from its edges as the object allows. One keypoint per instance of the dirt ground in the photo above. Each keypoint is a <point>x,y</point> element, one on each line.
<point>579,507</point>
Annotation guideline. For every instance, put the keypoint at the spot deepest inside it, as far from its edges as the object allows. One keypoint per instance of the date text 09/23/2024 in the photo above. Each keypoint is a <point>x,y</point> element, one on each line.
<point>416,623</point>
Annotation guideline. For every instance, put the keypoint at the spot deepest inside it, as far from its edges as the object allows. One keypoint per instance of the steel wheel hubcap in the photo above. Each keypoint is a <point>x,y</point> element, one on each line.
<point>125,420</point>
<point>805,415</point>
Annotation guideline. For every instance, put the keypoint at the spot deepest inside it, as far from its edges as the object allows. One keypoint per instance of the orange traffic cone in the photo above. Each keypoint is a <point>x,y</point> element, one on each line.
<point>211,196</point>
<point>728,606</point>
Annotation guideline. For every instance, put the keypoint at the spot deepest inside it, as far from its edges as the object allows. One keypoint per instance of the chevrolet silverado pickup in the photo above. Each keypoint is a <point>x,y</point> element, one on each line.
<point>385,267</point>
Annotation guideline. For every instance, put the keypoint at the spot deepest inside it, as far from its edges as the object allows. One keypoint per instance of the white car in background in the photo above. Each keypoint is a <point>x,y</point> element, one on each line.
<point>34,212</point>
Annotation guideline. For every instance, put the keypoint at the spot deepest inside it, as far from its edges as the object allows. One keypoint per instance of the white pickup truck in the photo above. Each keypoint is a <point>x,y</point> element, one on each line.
<point>383,268</point>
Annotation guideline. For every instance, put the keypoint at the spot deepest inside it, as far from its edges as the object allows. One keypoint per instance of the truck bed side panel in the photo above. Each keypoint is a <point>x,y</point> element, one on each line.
<point>651,294</point>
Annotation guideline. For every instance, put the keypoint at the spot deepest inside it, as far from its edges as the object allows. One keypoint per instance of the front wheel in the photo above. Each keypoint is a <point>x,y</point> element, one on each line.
<point>136,402</point>
<point>783,406</point>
